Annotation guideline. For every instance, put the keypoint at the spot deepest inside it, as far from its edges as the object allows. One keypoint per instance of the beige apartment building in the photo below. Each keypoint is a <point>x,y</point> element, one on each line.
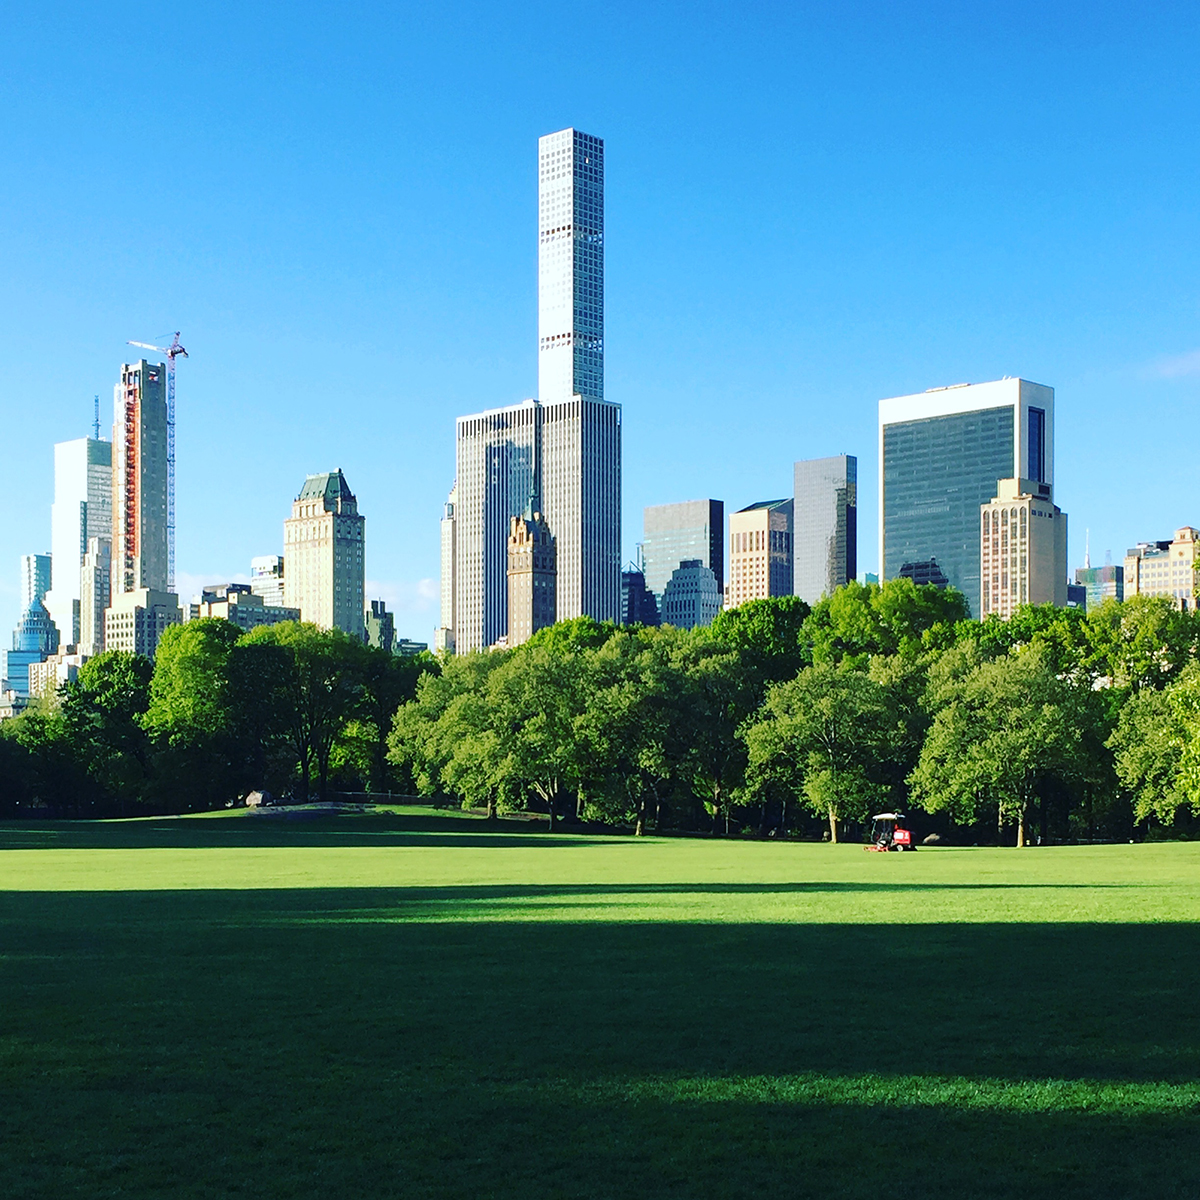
<point>323,549</point>
<point>760,552</point>
<point>136,620</point>
<point>1022,548</point>
<point>1165,568</point>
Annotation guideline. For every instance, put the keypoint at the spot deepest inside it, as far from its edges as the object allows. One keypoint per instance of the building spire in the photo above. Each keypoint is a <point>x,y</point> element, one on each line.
<point>1087,550</point>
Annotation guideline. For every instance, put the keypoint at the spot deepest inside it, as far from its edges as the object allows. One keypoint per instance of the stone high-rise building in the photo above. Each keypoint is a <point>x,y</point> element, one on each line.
<point>323,552</point>
<point>760,552</point>
<point>532,576</point>
<point>443,637</point>
<point>95,594</point>
<point>1165,568</point>
<point>1022,549</point>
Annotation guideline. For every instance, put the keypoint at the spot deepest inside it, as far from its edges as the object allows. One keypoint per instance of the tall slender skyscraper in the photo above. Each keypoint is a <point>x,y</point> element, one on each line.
<point>570,266</point>
<point>82,510</point>
<point>140,532</point>
<point>825,525</point>
<point>564,449</point>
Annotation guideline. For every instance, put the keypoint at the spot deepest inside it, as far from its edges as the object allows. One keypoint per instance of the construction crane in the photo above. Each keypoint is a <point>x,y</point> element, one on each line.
<point>171,351</point>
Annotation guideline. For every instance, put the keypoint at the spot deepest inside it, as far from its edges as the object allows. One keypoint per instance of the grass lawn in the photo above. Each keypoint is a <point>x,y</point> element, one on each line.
<point>420,1006</point>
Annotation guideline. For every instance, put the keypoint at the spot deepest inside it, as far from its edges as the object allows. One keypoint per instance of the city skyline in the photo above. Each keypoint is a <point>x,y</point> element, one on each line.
<point>802,299</point>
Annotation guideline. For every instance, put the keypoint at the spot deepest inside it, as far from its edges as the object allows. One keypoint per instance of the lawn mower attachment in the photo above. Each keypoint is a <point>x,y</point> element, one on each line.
<point>888,833</point>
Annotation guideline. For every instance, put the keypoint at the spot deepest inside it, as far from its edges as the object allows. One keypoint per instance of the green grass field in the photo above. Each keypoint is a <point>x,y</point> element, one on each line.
<point>421,1006</point>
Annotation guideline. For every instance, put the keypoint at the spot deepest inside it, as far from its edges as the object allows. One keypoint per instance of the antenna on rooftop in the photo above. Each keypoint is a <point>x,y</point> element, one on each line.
<point>96,419</point>
<point>1087,550</point>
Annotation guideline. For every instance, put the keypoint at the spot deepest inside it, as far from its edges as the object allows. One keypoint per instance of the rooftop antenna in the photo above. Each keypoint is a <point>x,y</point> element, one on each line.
<point>1087,550</point>
<point>96,419</point>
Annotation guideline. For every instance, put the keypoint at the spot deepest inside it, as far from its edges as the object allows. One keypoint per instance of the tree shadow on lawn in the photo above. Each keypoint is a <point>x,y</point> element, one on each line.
<point>252,832</point>
<point>149,1043</point>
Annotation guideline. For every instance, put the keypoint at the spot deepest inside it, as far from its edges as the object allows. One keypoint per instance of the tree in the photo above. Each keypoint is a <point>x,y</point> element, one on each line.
<point>1006,726</point>
<point>388,680</point>
<point>533,701</point>
<point>769,635</point>
<point>102,714</point>
<point>861,620</point>
<point>718,691</point>
<point>1142,642</point>
<point>822,736</point>
<point>1149,746</point>
<point>629,731</point>
<point>442,737</point>
<point>191,715</point>
<point>318,693</point>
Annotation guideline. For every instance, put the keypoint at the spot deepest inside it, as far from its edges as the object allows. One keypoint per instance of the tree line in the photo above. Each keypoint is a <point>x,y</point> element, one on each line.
<point>776,719</point>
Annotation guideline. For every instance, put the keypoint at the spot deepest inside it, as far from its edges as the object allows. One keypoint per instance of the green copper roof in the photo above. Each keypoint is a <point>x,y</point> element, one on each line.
<point>328,486</point>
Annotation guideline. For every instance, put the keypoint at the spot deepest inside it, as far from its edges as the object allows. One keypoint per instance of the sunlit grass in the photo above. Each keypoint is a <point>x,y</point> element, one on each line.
<point>419,1005</point>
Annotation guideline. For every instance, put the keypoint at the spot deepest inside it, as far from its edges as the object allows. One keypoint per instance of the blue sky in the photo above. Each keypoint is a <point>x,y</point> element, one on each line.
<point>809,207</point>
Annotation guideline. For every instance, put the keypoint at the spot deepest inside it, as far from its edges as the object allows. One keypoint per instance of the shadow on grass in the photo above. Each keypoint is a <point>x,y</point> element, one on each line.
<point>373,829</point>
<point>150,1045</point>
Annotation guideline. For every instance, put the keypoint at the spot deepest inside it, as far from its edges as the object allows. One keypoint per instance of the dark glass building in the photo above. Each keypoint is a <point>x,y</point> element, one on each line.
<point>942,453</point>
<point>676,533</point>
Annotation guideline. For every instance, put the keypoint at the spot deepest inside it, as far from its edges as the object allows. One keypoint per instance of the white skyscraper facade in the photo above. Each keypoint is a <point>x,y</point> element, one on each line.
<point>562,450</point>
<point>82,510</point>
<point>570,266</point>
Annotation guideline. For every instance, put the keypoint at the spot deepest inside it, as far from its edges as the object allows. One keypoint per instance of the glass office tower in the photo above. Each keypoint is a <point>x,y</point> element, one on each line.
<point>675,533</point>
<point>825,525</point>
<point>941,455</point>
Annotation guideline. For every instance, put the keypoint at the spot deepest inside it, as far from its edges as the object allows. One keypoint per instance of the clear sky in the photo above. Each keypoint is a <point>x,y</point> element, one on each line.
<point>809,207</point>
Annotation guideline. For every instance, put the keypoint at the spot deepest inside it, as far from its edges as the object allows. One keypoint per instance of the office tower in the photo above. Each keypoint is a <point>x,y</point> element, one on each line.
<point>1101,583</point>
<point>82,510</point>
<point>35,578</point>
<point>1165,568</point>
<point>566,444</point>
<point>532,576</point>
<point>140,533</point>
<point>443,636</point>
<point>1022,549</point>
<point>34,639</point>
<point>638,605</point>
<point>825,525</point>
<point>266,579</point>
<point>323,550</point>
<point>691,596</point>
<point>571,453</point>
<point>135,620</point>
<point>570,266</point>
<point>240,605</point>
<point>1077,596</point>
<point>760,552</point>
<point>673,533</point>
<point>942,454</point>
<point>379,626</point>
<point>95,594</point>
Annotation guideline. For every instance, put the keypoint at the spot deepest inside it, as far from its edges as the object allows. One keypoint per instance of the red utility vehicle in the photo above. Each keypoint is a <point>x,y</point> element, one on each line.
<point>889,833</point>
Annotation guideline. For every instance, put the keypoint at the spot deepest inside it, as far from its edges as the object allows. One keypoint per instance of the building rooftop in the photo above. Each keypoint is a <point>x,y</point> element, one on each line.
<point>764,504</point>
<point>327,486</point>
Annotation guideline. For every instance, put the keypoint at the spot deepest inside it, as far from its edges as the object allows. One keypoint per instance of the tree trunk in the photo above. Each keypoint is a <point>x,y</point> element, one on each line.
<point>491,807</point>
<point>1021,827</point>
<point>833,824</point>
